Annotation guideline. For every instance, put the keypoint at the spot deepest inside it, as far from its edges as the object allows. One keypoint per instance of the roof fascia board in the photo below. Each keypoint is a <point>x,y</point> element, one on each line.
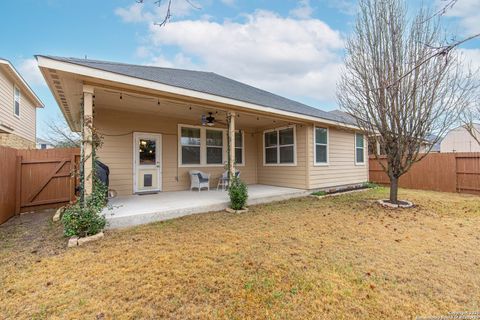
<point>31,93</point>
<point>116,77</point>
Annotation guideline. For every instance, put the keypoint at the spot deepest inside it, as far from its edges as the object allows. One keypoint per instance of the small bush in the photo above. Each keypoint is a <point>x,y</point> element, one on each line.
<point>370,185</point>
<point>86,220</point>
<point>319,193</point>
<point>82,221</point>
<point>238,193</point>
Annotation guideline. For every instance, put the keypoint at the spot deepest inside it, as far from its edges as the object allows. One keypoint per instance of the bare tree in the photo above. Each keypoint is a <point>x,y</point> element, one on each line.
<point>398,86</point>
<point>61,136</point>
<point>168,9</point>
<point>471,119</point>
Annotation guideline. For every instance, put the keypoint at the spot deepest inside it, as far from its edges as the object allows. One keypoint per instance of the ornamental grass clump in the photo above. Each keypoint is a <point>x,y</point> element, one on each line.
<point>238,193</point>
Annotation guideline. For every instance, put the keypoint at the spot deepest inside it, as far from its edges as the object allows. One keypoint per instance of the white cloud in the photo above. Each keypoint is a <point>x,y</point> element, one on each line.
<point>30,72</point>
<point>471,58</point>
<point>303,10</point>
<point>468,11</point>
<point>134,13</point>
<point>287,56</point>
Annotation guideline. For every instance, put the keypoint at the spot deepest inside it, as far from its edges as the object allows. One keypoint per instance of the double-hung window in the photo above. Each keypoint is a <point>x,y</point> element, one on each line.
<point>201,146</point>
<point>279,146</point>
<point>239,147</point>
<point>359,148</point>
<point>190,142</point>
<point>214,144</point>
<point>321,146</point>
<point>16,101</point>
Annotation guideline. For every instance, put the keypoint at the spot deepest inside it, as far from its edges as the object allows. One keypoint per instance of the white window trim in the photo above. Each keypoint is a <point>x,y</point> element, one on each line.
<point>15,88</point>
<point>320,164</point>
<point>355,150</point>
<point>278,164</point>
<point>203,147</point>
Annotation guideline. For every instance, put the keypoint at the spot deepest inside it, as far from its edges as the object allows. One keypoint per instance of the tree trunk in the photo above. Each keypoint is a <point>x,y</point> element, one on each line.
<point>394,190</point>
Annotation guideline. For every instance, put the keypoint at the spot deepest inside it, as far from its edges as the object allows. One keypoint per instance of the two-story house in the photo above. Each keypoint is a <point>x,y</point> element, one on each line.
<point>18,105</point>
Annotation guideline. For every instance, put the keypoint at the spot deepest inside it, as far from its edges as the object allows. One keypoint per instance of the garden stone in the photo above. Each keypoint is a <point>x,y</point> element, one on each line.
<point>73,242</point>
<point>58,214</point>
<point>95,237</point>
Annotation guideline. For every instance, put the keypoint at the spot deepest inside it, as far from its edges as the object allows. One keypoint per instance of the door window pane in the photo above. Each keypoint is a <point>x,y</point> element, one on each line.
<point>190,155</point>
<point>286,154</point>
<point>286,136</point>
<point>147,152</point>
<point>190,136</point>
<point>270,139</point>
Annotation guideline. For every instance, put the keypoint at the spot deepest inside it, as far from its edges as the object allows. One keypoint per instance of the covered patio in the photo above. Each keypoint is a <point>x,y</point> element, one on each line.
<point>131,210</point>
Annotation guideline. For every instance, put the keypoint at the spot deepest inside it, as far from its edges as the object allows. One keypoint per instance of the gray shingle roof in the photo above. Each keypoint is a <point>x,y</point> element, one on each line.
<point>206,82</point>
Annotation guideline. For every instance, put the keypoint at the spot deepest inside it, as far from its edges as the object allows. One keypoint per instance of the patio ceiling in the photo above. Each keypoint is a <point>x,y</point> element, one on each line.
<point>148,104</point>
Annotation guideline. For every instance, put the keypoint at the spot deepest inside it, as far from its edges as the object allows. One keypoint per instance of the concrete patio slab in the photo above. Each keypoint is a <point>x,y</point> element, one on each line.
<point>134,210</point>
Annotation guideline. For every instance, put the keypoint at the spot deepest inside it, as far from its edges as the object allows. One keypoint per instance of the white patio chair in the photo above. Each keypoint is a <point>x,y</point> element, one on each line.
<point>223,180</point>
<point>199,180</point>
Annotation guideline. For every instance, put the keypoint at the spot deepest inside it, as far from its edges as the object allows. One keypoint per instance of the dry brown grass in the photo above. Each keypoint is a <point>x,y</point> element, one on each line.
<point>341,258</point>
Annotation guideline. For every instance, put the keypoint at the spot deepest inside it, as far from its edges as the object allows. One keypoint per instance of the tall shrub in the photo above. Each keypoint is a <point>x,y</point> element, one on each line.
<point>238,193</point>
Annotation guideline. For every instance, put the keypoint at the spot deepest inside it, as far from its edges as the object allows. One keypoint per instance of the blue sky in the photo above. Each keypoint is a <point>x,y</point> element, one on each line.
<point>292,47</point>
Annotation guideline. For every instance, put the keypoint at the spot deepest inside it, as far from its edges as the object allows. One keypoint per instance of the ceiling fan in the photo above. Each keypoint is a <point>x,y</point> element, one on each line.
<point>209,121</point>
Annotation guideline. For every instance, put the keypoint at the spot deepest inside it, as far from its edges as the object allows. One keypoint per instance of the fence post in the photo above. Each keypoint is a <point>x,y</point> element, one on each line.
<point>18,185</point>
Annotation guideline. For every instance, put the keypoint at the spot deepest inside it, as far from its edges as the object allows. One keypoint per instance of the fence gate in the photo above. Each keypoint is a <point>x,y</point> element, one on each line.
<point>468,172</point>
<point>45,178</point>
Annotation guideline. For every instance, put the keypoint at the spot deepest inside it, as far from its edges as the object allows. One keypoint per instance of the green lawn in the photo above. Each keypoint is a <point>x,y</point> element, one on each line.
<point>337,258</point>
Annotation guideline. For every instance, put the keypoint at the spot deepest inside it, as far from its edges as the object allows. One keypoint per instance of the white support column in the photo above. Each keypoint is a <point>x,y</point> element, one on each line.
<point>87,138</point>
<point>231,136</point>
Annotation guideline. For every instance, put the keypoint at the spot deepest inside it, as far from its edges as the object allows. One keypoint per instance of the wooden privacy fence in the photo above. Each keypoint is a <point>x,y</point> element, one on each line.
<point>36,179</point>
<point>448,172</point>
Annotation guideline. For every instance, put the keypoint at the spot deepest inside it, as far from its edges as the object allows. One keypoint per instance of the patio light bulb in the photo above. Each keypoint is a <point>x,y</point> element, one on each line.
<point>150,151</point>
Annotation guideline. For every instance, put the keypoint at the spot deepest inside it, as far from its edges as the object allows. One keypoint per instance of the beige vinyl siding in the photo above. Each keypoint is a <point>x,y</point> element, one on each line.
<point>460,140</point>
<point>117,150</point>
<point>293,176</point>
<point>23,126</point>
<point>341,169</point>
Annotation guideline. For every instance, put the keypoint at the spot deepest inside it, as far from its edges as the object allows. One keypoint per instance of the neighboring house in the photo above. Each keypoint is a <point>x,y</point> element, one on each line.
<point>159,123</point>
<point>18,107</point>
<point>44,144</point>
<point>460,140</point>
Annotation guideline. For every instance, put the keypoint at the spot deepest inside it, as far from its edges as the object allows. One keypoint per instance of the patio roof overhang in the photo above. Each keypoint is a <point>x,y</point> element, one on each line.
<point>66,81</point>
